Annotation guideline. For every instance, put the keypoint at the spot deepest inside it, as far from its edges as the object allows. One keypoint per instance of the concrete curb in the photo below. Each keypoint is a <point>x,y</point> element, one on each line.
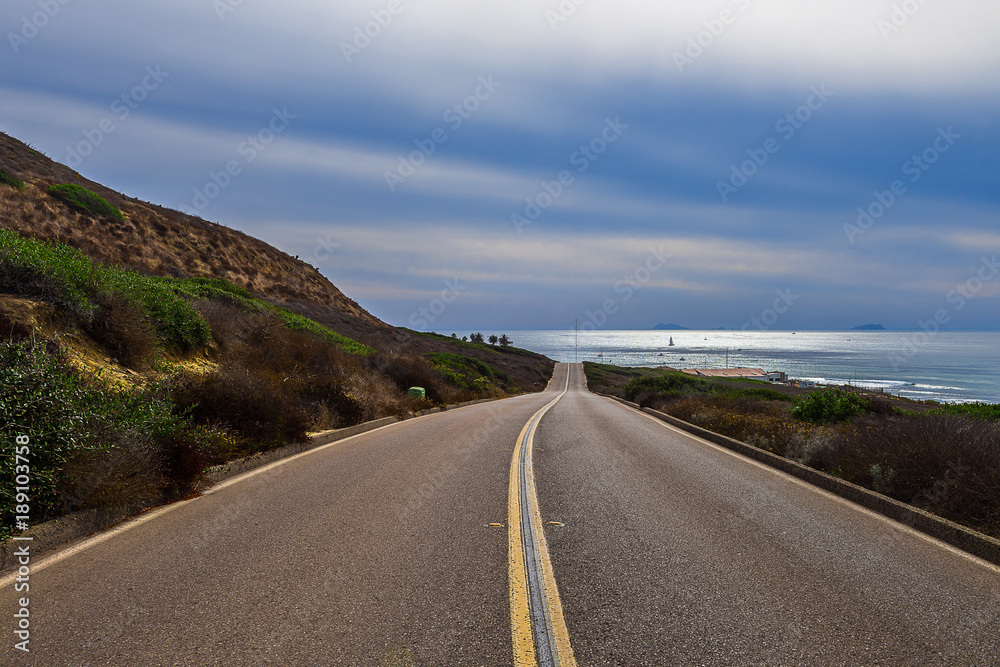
<point>239,466</point>
<point>966,539</point>
<point>59,532</point>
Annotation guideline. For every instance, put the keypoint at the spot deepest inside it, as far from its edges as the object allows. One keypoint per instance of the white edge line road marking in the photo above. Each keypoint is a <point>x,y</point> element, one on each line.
<point>65,552</point>
<point>823,492</point>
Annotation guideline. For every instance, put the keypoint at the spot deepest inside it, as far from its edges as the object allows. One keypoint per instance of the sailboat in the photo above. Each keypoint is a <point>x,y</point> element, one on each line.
<point>671,342</point>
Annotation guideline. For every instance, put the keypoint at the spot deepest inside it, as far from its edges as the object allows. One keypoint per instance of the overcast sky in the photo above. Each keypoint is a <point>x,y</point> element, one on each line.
<point>521,164</point>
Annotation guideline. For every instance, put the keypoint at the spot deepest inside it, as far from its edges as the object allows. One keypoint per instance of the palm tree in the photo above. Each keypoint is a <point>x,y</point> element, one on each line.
<point>504,341</point>
<point>476,337</point>
<point>493,339</point>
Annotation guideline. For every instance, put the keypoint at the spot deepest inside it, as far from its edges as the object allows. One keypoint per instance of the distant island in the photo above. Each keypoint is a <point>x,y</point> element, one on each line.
<point>869,327</point>
<point>669,327</point>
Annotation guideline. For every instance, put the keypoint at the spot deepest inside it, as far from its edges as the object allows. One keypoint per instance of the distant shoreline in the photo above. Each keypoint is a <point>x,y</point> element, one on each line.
<point>949,367</point>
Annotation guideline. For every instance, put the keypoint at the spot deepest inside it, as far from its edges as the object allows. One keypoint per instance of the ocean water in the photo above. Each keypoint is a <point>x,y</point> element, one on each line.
<point>953,367</point>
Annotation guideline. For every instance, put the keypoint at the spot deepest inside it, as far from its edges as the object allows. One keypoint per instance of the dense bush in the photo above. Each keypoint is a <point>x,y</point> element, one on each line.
<point>411,371</point>
<point>830,406</point>
<point>90,445</point>
<point>253,404</point>
<point>274,385</point>
<point>945,464</point>
<point>83,199</point>
<point>123,330</point>
<point>673,384</point>
<point>762,423</point>
<point>177,321</point>
<point>466,372</point>
<point>977,410</point>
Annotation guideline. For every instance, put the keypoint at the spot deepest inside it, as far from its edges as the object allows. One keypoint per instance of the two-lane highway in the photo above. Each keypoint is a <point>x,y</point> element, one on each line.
<point>378,550</point>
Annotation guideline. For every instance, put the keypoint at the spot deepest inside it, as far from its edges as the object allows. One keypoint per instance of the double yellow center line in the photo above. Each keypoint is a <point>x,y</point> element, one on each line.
<point>539,631</point>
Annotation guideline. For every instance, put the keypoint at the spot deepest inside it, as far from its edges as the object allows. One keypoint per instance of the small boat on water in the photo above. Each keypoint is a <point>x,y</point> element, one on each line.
<point>671,342</point>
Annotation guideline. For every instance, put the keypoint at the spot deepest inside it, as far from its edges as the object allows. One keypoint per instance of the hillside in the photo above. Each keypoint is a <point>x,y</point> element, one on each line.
<point>148,344</point>
<point>159,241</point>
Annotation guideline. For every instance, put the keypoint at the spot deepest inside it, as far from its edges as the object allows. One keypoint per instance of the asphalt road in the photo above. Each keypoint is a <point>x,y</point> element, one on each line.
<point>377,551</point>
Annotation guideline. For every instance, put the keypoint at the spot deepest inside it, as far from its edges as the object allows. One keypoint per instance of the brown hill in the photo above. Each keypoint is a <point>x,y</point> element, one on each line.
<point>160,241</point>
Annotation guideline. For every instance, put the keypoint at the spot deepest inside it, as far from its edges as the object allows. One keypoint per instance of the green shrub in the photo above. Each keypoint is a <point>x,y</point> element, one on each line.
<point>830,406</point>
<point>759,393</point>
<point>90,445</point>
<point>83,199</point>
<point>176,320</point>
<point>299,323</point>
<point>41,399</point>
<point>51,272</point>
<point>65,277</point>
<point>11,180</point>
<point>218,290</point>
<point>977,410</point>
<point>668,383</point>
<point>466,372</point>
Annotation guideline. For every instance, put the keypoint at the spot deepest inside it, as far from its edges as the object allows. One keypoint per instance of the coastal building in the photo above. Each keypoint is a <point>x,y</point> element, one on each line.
<point>738,373</point>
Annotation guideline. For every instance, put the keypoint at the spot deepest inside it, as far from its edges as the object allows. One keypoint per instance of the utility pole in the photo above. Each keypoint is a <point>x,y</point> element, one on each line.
<point>576,339</point>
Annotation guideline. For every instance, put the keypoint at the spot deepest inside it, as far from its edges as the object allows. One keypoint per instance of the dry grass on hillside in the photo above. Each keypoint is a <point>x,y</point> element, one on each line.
<point>161,241</point>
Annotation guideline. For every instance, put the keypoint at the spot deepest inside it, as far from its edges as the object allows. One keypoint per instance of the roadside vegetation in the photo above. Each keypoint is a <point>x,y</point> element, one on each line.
<point>214,373</point>
<point>467,373</point>
<point>92,445</point>
<point>945,460</point>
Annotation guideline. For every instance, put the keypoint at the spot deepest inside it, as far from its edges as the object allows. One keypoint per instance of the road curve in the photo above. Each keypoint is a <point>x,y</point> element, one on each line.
<point>377,550</point>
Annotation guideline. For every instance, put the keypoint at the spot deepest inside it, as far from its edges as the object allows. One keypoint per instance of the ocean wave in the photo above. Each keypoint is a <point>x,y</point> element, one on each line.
<point>867,384</point>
